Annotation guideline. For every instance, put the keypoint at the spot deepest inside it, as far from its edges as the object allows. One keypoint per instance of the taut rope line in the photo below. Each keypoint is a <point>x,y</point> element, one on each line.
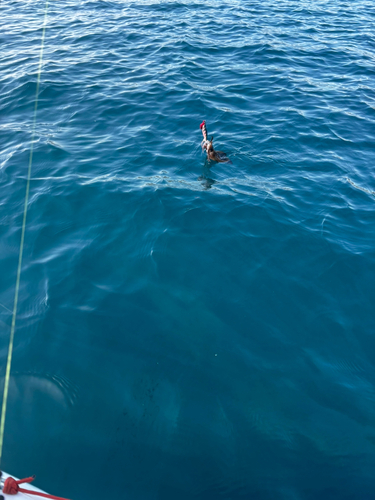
<point>12,329</point>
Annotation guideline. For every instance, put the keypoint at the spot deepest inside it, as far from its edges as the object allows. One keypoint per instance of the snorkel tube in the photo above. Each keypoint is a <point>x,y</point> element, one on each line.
<point>202,126</point>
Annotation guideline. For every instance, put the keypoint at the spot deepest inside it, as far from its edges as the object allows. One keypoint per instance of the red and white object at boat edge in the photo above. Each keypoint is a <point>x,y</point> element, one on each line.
<point>10,487</point>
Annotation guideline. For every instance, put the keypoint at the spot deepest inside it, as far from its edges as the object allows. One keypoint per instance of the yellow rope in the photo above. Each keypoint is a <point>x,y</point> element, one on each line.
<point>11,338</point>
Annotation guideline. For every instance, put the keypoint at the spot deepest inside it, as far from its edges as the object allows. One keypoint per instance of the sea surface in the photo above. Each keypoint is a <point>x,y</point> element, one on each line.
<point>185,329</point>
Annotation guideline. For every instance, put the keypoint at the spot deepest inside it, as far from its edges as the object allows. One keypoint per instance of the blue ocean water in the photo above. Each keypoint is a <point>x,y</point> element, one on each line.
<point>185,329</point>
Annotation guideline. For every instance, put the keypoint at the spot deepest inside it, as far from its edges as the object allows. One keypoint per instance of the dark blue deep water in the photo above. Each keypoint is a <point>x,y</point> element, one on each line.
<point>189,330</point>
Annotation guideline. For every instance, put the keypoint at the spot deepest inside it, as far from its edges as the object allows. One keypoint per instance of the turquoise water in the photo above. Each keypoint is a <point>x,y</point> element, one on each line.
<point>190,330</point>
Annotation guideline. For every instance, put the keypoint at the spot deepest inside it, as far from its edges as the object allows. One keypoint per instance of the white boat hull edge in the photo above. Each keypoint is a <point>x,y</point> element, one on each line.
<point>20,495</point>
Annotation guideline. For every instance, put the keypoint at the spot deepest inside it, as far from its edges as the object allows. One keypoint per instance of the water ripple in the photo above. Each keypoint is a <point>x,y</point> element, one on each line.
<point>216,318</point>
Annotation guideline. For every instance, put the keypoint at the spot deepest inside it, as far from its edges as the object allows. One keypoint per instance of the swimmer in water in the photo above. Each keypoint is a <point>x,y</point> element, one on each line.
<point>207,146</point>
